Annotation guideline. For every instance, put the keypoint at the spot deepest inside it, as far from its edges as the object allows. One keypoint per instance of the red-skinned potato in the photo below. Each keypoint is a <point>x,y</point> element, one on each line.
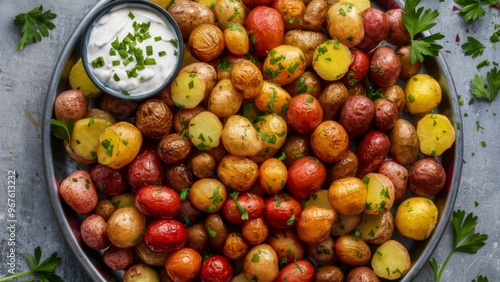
<point>165,235</point>
<point>250,4</point>
<point>372,151</point>
<point>281,211</point>
<point>118,258</point>
<point>398,34</point>
<point>376,26</point>
<point>304,113</point>
<point>242,207</point>
<point>78,191</point>
<point>183,265</point>
<point>385,67</point>
<point>362,274</point>
<point>427,177</point>
<point>145,169</point>
<point>71,104</point>
<point>329,141</point>
<point>356,115</point>
<point>286,244</point>
<point>289,273</point>
<point>109,181</point>
<point>93,232</point>
<point>305,176</point>
<point>398,175</point>
<point>216,269</point>
<point>358,69</point>
<point>266,28</point>
<point>158,201</point>
<point>386,114</point>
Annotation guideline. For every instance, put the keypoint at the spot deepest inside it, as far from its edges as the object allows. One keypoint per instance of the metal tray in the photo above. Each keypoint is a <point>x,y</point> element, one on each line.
<point>57,165</point>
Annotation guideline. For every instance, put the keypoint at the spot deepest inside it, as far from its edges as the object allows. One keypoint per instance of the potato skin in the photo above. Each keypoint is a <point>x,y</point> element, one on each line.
<point>235,247</point>
<point>332,98</point>
<point>109,181</point>
<point>396,95</point>
<point>125,227</point>
<point>344,22</point>
<point>352,251</point>
<point>254,231</point>
<point>216,223</point>
<point>427,177</point>
<point>118,107</point>
<point>173,149</point>
<point>154,119</point>
<point>329,141</point>
<point>265,268</point>
<point>145,169</point>
<point>165,235</point>
<point>243,207</point>
<point>372,151</point>
<point>78,191</point>
<point>239,137</point>
<point>247,77</point>
<point>314,224</point>
<point>386,114</point>
<point>286,244</point>
<point>376,26</point>
<point>236,39</point>
<point>362,274</point>
<point>283,215</point>
<point>267,29</point>
<point>347,166</point>
<point>93,232</point>
<point>356,115</point>
<point>385,67</point>
<point>329,273</point>
<point>118,258</point>
<point>304,113</point>
<point>404,142</point>
<point>206,42</point>
<point>305,176</point>
<point>283,64</point>
<point>216,268</point>
<point>289,272</point>
<point>398,34</point>
<point>407,68</point>
<point>307,82</point>
<point>307,41</point>
<point>71,104</point>
<point>158,201</point>
<point>189,14</point>
<point>358,69</point>
<point>183,265</point>
<point>239,173</point>
<point>296,146</point>
<point>398,174</point>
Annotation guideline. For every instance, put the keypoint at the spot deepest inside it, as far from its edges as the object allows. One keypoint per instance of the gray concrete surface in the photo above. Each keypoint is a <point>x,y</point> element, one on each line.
<point>24,77</point>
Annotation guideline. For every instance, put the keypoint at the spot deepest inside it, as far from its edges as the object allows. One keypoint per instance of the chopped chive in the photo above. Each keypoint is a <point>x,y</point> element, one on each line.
<point>123,53</point>
<point>149,50</point>
<point>131,15</point>
<point>126,62</point>
<point>162,53</point>
<point>149,61</point>
<point>116,77</point>
<point>112,52</point>
<point>125,92</point>
<point>174,42</point>
<point>116,63</point>
<point>157,38</point>
<point>98,62</point>
<point>139,67</point>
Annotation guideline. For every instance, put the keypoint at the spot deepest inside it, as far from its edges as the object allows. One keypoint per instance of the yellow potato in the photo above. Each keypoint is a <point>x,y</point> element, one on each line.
<point>416,218</point>
<point>78,79</point>
<point>348,195</point>
<point>205,130</point>
<point>119,144</point>
<point>380,193</point>
<point>85,137</point>
<point>240,138</point>
<point>435,134</point>
<point>284,64</point>
<point>331,60</point>
<point>273,131</point>
<point>391,260</point>
<point>344,22</point>
<point>423,94</point>
<point>188,90</point>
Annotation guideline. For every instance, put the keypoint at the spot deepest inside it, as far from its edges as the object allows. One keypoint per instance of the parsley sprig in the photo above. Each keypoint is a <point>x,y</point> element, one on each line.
<point>34,24</point>
<point>481,278</point>
<point>44,270</point>
<point>62,129</point>
<point>473,47</point>
<point>416,21</point>
<point>466,241</point>
<point>473,9</point>
<point>488,92</point>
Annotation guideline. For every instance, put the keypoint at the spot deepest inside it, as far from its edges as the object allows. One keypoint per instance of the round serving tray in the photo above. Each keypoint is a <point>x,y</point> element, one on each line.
<point>58,165</point>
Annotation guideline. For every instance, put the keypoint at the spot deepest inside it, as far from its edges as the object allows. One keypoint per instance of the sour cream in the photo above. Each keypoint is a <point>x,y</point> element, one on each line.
<point>132,50</point>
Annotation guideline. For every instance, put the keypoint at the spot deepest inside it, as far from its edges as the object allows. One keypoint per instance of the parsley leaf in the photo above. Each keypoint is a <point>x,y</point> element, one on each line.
<point>62,129</point>
<point>416,21</point>
<point>34,25</point>
<point>44,270</point>
<point>481,278</point>
<point>479,88</point>
<point>495,37</point>
<point>465,241</point>
<point>473,9</point>
<point>473,47</point>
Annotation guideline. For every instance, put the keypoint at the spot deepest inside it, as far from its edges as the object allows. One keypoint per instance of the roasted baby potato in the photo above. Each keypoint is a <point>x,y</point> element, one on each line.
<point>119,144</point>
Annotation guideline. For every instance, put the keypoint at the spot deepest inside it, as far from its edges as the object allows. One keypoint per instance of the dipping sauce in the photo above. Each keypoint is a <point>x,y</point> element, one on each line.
<point>132,50</point>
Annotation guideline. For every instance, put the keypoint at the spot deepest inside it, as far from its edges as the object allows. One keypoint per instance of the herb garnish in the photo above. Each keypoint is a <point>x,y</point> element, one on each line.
<point>417,20</point>
<point>472,9</point>
<point>479,88</point>
<point>44,271</point>
<point>473,47</point>
<point>34,24</point>
<point>465,241</point>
